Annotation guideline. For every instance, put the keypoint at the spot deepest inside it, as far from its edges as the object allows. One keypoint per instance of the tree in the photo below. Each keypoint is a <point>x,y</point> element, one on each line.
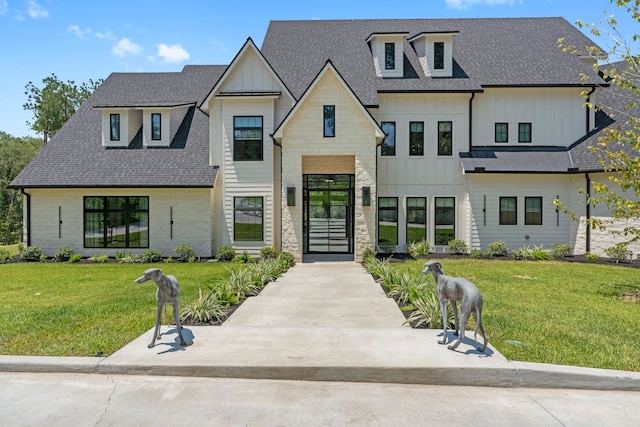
<point>53,104</point>
<point>619,147</point>
<point>15,153</point>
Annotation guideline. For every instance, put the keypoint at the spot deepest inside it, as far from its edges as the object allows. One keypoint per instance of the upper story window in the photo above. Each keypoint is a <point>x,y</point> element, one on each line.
<point>533,211</point>
<point>114,127</point>
<point>416,138</point>
<point>508,211</point>
<point>388,147</point>
<point>329,120</point>
<point>445,139</point>
<point>156,126</point>
<point>247,138</point>
<point>502,132</point>
<point>438,55</point>
<point>389,56</point>
<point>524,132</point>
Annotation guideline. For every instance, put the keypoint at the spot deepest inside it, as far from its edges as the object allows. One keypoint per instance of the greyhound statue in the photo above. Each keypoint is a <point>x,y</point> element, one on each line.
<point>453,289</point>
<point>168,293</point>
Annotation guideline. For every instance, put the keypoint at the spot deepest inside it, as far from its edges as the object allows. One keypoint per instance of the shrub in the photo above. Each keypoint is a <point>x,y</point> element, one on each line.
<point>64,253</point>
<point>120,255</point>
<point>244,258</point>
<point>226,253</point>
<point>457,247</point>
<point>31,254</point>
<point>184,252</point>
<point>240,283</point>
<point>264,271</point>
<point>130,259</point>
<point>75,258</point>
<point>561,250</point>
<point>420,248</point>
<point>386,246</point>
<point>591,257</point>
<point>619,252</point>
<point>168,260</point>
<point>522,253</point>
<point>401,285</point>
<point>368,252</point>
<point>427,312</point>
<point>206,309</point>
<point>540,253</point>
<point>151,255</point>
<point>100,259</point>
<point>4,255</point>
<point>268,252</point>
<point>477,253</point>
<point>497,248</point>
<point>377,268</point>
<point>286,261</point>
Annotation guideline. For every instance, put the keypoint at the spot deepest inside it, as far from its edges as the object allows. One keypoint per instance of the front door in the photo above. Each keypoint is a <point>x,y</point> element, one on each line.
<point>328,213</point>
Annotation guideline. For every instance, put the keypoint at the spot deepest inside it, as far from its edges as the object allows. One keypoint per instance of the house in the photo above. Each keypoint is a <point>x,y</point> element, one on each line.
<point>334,137</point>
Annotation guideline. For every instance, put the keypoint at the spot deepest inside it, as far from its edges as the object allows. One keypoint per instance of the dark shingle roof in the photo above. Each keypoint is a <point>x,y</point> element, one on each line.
<point>75,157</point>
<point>487,52</point>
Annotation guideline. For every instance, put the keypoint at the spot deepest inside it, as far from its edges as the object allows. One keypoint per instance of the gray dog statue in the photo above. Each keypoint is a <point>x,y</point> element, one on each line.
<point>453,289</point>
<point>168,293</point>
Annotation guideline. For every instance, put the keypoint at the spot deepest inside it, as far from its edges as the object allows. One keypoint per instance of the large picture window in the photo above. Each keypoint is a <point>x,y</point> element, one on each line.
<point>445,220</point>
<point>388,147</point>
<point>247,138</point>
<point>387,221</point>
<point>116,222</point>
<point>248,216</point>
<point>416,138</point>
<point>445,138</point>
<point>533,211</point>
<point>416,219</point>
<point>156,126</point>
<point>329,122</point>
<point>508,211</point>
<point>114,126</point>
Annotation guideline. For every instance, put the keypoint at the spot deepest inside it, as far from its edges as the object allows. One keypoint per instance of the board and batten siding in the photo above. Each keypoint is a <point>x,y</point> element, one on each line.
<point>192,219</point>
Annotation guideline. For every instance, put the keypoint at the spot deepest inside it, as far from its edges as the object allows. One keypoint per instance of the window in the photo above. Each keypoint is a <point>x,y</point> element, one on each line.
<point>508,211</point>
<point>416,219</point>
<point>114,126</point>
<point>533,211</point>
<point>387,221</point>
<point>445,220</point>
<point>524,132</point>
<point>248,218</point>
<point>388,147</point>
<point>502,132</point>
<point>156,126</point>
<point>247,138</point>
<point>389,56</point>
<point>116,222</point>
<point>438,55</point>
<point>445,144</point>
<point>416,138</point>
<point>329,120</point>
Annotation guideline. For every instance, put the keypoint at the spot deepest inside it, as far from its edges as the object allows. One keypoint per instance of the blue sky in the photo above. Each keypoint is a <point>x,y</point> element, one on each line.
<point>82,40</point>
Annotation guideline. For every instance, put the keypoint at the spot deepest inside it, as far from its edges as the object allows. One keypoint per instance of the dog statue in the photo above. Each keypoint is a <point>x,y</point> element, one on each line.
<point>453,289</point>
<point>168,293</point>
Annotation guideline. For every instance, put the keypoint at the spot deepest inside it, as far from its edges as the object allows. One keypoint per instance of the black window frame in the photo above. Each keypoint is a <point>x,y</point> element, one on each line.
<point>412,214</point>
<point>388,146</point>
<point>248,210</point>
<point>107,210</point>
<point>329,121</point>
<point>246,149</point>
<point>533,217</point>
<point>441,141</point>
<point>383,210</point>
<point>441,212</point>
<point>416,137</point>
<point>525,132</point>
<point>438,55</point>
<point>501,136</point>
<point>156,128</point>
<point>508,213</point>
<point>114,136</point>
<point>390,56</point>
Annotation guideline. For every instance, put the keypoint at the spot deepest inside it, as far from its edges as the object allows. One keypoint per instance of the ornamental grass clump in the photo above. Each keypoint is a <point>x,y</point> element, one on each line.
<point>426,312</point>
<point>403,285</point>
<point>204,310</point>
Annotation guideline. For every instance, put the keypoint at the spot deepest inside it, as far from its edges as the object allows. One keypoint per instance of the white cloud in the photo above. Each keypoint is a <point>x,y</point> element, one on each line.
<point>173,53</point>
<point>75,29</point>
<point>4,7</point>
<point>465,4</point>
<point>36,11</point>
<point>106,36</point>
<point>125,47</point>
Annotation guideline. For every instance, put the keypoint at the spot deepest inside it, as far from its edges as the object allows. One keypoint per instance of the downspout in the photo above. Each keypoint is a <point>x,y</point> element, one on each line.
<point>473,95</point>
<point>281,183</point>
<point>588,214</point>
<point>588,121</point>
<point>28,198</point>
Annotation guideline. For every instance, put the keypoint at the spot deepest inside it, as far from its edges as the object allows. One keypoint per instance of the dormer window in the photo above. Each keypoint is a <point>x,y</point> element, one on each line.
<point>438,55</point>
<point>389,56</point>
<point>435,52</point>
<point>156,126</point>
<point>114,127</point>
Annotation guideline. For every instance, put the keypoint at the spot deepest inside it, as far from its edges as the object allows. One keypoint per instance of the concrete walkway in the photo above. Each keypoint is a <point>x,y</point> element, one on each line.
<point>325,321</point>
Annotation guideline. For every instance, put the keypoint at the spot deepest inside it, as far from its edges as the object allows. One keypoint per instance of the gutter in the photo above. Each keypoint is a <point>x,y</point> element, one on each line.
<point>28,198</point>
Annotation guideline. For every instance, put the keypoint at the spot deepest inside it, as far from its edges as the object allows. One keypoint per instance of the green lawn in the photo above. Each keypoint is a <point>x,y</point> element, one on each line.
<point>555,312</point>
<point>61,309</point>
